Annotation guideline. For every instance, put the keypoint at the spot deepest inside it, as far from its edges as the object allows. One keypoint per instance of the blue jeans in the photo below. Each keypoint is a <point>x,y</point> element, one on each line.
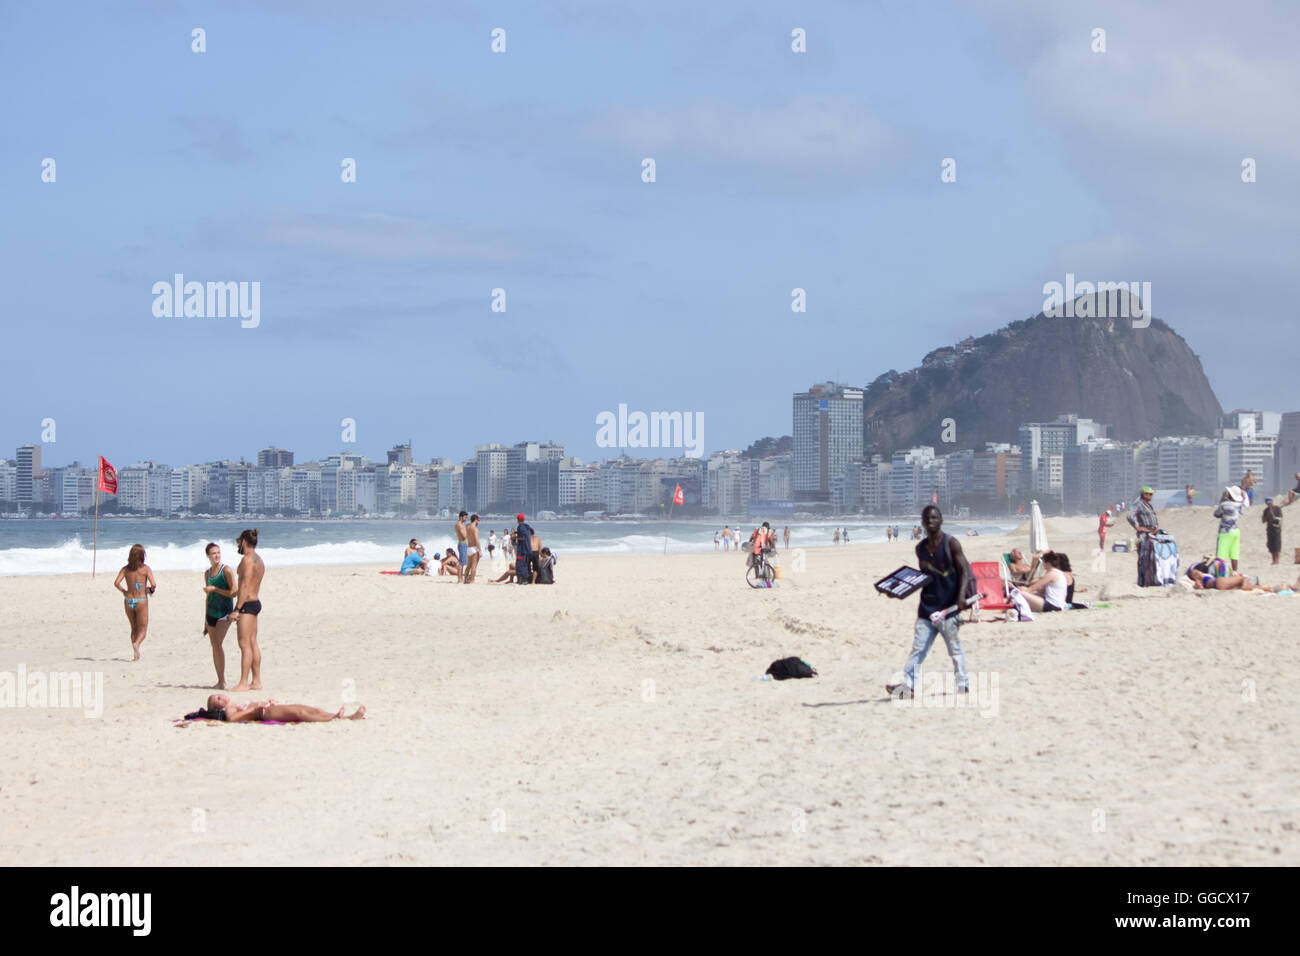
<point>924,638</point>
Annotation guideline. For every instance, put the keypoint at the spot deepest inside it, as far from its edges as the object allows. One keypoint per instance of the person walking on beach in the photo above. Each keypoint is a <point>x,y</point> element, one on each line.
<point>889,533</point>
<point>726,537</point>
<point>135,581</point>
<point>939,555</point>
<point>717,541</point>
<point>1231,504</point>
<point>462,546</point>
<point>219,586</point>
<point>492,544</point>
<point>471,540</point>
<point>1190,491</point>
<point>836,539</point>
<point>1272,519</point>
<point>248,605</point>
<point>786,535</point>
<point>1248,486</point>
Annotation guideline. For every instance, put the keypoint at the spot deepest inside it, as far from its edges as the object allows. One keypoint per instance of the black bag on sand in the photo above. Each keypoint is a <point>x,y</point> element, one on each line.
<point>789,667</point>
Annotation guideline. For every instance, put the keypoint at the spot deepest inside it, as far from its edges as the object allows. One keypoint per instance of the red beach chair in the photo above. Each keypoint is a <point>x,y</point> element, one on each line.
<point>993,580</point>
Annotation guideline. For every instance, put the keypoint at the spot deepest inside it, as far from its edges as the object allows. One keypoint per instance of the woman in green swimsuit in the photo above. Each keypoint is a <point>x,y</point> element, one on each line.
<point>136,583</point>
<point>219,586</point>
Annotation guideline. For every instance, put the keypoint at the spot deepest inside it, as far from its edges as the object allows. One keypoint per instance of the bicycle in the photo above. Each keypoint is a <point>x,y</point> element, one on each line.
<point>760,573</point>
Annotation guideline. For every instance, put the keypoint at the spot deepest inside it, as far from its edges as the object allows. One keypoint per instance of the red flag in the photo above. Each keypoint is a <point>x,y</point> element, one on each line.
<point>678,497</point>
<point>107,476</point>
<point>934,498</point>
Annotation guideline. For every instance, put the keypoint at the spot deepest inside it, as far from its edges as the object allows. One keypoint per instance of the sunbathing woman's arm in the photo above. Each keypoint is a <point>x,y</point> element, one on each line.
<point>118,583</point>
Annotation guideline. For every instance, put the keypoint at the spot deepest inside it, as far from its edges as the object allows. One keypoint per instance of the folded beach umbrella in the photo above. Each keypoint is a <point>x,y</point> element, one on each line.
<point>1037,530</point>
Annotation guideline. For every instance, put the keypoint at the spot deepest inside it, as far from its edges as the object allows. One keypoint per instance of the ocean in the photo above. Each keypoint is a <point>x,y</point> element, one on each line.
<point>59,546</point>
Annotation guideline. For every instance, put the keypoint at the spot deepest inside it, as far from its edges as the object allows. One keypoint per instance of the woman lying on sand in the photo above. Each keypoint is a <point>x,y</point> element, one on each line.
<point>219,707</point>
<point>1202,581</point>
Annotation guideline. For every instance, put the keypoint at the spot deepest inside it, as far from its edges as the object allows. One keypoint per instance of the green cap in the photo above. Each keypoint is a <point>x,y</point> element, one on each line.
<point>1146,490</point>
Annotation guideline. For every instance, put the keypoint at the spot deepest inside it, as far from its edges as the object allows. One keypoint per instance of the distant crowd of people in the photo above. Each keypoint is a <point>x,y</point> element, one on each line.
<point>533,563</point>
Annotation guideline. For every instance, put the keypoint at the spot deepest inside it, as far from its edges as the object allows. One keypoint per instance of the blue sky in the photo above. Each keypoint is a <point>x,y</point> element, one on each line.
<point>521,170</point>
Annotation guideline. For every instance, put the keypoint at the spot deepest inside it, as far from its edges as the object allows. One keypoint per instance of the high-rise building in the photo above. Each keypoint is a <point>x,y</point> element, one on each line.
<point>8,481</point>
<point>1286,453</point>
<point>493,463</point>
<point>1039,440</point>
<point>145,487</point>
<point>469,486</point>
<point>733,482</point>
<point>400,454</point>
<point>911,485</point>
<point>827,436</point>
<point>274,458</point>
<point>29,472</point>
<point>579,483</point>
<point>1252,436</point>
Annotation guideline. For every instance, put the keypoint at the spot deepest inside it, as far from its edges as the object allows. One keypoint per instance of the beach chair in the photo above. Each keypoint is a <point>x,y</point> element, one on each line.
<point>993,580</point>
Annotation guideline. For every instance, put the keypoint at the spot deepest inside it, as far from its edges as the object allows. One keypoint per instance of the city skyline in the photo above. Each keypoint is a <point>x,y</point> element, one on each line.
<point>1071,461</point>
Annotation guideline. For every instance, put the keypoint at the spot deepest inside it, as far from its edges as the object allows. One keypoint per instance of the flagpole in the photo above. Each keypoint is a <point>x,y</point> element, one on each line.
<point>670,525</point>
<point>95,557</point>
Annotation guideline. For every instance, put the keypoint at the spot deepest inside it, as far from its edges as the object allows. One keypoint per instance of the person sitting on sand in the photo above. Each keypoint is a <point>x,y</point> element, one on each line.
<point>414,561</point>
<point>1050,592</point>
<point>1022,571</point>
<point>545,573</point>
<point>508,577</point>
<point>219,707</point>
<point>449,564</point>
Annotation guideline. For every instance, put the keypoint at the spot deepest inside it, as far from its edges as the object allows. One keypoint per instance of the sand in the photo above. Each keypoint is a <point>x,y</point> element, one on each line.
<point>615,719</point>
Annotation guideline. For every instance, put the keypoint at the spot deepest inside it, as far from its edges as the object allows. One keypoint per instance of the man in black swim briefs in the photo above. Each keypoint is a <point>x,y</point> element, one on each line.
<point>247,607</point>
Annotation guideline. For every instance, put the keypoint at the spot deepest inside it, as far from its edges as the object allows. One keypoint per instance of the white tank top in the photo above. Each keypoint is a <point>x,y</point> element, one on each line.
<point>1054,593</point>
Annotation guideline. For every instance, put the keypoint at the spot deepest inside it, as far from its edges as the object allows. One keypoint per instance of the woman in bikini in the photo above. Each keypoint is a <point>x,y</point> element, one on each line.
<point>136,583</point>
<point>219,586</point>
<point>219,707</point>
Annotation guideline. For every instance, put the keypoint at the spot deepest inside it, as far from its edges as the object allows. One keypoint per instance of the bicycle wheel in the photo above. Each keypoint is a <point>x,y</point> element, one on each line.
<point>753,578</point>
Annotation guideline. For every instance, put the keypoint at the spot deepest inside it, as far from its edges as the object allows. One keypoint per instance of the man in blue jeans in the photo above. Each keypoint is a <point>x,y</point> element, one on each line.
<point>940,556</point>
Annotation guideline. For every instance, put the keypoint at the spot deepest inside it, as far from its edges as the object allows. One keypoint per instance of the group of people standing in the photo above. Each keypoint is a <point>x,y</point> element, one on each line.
<point>231,597</point>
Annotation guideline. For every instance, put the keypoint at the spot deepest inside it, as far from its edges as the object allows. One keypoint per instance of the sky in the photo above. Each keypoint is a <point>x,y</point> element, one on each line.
<point>522,170</point>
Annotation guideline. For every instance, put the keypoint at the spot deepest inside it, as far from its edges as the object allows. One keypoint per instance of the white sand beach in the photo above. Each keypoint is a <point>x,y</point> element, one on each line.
<point>519,725</point>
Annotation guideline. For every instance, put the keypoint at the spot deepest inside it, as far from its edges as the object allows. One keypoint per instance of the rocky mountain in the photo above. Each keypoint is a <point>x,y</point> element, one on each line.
<point>1143,382</point>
